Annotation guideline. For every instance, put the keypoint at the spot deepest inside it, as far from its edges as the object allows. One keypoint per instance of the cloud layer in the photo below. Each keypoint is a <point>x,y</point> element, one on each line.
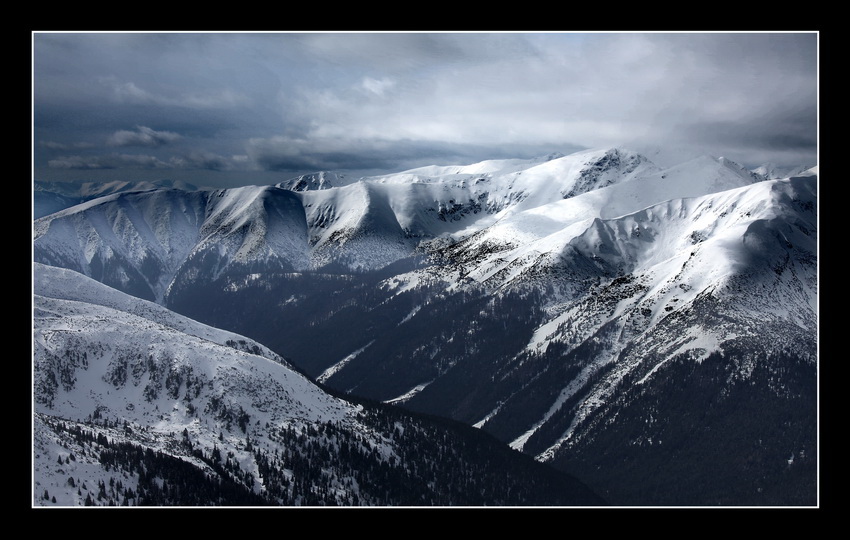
<point>314,101</point>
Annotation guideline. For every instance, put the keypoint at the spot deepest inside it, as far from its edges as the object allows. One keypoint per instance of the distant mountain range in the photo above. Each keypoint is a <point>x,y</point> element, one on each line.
<point>651,331</point>
<point>50,197</point>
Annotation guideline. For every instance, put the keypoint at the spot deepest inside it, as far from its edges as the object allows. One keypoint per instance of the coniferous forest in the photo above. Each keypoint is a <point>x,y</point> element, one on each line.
<point>437,463</point>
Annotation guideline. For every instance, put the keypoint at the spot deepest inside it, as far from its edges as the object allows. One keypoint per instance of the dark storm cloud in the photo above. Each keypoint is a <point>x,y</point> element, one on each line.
<point>60,146</point>
<point>202,160</point>
<point>290,154</point>
<point>294,101</point>
<point>108,161</point>
<point>142,136</point>
<point>131,93</point>
<point>193,160</point>
<point>779,134</point>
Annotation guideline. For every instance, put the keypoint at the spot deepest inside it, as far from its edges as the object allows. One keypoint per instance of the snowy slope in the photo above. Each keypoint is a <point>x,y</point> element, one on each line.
<point>253,224</point>
<point>144,242</point>
<point>430,202</point>
<point>133,241</point>
<point>354,225</point>
<point>139,342</point>
<point>50,197</point>
<point>686,276</point>
<point>531,234</point>
<point>101,354</point>
<point>751,251</point>
<point>773,172</point>
<point>502,188</point>
<point>318,180</point>
<point>92,190</point>
<point>141,242</point>
<point>136,405</point>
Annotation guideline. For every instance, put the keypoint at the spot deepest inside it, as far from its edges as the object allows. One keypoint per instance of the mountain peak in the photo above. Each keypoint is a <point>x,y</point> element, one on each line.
<point>313,181</point>
<point>754,176</point>
<point>772,171</point>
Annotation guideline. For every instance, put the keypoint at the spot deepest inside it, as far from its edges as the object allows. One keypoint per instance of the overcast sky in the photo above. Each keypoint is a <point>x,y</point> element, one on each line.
<point>230,108</point>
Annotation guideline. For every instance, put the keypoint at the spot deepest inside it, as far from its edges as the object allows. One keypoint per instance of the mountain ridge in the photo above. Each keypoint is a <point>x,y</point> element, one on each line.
<point>535,300</point>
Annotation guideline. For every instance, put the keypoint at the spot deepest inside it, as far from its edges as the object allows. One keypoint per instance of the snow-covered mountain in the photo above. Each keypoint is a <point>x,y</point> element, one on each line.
<point>137,405</point>
<point>92,190</point>
<point>146,242</point>
<point>528,236</point>
<point>670,272</point>
<point>750,251</point>
<point>50,197</point>
<point>318,180</point>
<point>159,379</point>
<point>543,301</point>
<point>772,172</point>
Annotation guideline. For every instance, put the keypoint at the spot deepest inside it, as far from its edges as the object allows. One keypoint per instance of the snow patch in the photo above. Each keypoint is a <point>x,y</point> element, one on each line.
<point>328,373</point>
